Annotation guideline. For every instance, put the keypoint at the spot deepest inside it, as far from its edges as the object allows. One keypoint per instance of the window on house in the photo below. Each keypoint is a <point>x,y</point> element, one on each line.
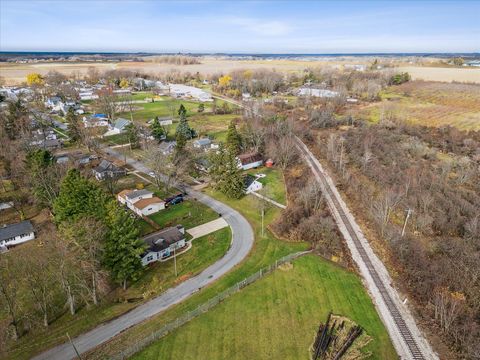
<point>149,258</point>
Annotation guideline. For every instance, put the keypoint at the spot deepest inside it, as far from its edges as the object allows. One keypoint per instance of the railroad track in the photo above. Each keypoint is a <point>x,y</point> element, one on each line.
<point>415,352</point>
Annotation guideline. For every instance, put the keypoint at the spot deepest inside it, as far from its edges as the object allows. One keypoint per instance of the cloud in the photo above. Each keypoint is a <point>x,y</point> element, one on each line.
<point>261,27</point>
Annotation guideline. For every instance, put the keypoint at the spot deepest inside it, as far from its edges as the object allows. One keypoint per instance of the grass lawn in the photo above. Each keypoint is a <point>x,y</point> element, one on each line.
<point>189,213</point>
<point>273,183</point>
<point>265,251</point>
<point>117,139</point>
<point>277,317</point>
<point>157,279</point>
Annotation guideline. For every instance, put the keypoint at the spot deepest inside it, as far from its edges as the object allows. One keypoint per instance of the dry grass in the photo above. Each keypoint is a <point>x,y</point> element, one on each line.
<point>431,104</point>
<point>448,74</point>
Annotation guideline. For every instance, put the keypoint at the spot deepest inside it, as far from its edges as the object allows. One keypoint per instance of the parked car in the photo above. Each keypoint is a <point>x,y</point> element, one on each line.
<point>173,200</point>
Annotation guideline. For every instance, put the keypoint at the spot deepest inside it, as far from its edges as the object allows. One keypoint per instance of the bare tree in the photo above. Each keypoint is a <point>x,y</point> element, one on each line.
<point>9,293</point>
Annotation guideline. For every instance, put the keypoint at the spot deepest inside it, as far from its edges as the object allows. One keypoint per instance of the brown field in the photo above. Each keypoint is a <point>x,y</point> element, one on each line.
<point>448,74</point>
<point>432,104</point>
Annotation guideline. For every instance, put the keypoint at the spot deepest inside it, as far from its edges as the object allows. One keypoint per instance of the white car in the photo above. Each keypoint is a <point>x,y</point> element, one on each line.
<point>151,173</point>
<point>259,176</point>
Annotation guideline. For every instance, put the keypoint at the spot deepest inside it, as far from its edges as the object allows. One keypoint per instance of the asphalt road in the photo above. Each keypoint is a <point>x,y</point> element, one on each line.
<point>404,333</point>
<point>242,242</point>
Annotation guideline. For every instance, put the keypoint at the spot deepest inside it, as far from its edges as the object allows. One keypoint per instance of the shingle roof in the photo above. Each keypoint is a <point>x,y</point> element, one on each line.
<point>120,123</point>
<point>137,193</point>
<point>203,142</point>
<point>12,230</point>
<point>249,158</point>
<point>164,238</point>
<point>141,204</point>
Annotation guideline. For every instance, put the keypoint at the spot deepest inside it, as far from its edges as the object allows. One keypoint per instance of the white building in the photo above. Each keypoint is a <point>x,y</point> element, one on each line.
<point>252,184</point>
<point>322,93</point>
<point>249,160</point>
<point>141,202</point>
<point>15,234</point>
<point>180,90</point>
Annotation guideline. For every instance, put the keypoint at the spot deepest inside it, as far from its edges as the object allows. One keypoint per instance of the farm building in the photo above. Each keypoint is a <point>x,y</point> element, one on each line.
<point>15,234</point>
<point>249,160</point>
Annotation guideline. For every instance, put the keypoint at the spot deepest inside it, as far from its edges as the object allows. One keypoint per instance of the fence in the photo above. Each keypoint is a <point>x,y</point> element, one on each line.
<point>143,343</point>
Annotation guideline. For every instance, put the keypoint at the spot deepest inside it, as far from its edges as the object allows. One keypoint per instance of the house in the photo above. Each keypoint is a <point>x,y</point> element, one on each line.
<point>202,164</point>
<point>180,90</point>
<point>107,169</point>
<point>249,160</point>
<point>203,143</point>
<point>252,184</point>
<point>120,125</point>
<point>95,120</point>
<point>162,244</point>
<point>149,206</point>
<point>167,147</point>
<point>15,234</point>
<point>129,197</point>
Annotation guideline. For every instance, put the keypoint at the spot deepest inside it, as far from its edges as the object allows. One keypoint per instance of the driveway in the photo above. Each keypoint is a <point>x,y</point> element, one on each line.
<point>207,228</point>
<point>242,242</point>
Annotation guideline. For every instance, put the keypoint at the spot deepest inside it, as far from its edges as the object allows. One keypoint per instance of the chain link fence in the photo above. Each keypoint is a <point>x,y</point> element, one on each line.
<point>142,344</point>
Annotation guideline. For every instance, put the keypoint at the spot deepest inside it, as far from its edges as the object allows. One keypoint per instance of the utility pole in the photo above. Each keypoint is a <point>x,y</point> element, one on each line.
<point>74,348</point>
<point>409,211</point>
<point>263,215</point>
<point>175,260</point>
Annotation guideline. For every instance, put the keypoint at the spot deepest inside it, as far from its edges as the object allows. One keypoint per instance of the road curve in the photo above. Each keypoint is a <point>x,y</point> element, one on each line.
<point>242,242</point>
<point>406,336</point>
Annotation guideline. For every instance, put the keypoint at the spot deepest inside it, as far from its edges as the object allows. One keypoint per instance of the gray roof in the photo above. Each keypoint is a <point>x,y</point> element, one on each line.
<point>137,193</point>
<point>203,142</point>
<point>120,123</point>
<point>163,239</point>
<point>12,230</point>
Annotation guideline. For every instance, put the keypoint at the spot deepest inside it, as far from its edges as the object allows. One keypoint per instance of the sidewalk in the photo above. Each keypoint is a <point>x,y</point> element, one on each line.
<point>281,206</point>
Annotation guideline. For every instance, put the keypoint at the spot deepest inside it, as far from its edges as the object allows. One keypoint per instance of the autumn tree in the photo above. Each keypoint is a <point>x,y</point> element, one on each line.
<point>35,79</point>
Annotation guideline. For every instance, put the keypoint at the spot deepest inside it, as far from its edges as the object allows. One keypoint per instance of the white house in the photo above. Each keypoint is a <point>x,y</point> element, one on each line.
<point>249,160</point>
<point>15,234</point>
<point>129,197</point>
<point>96,120</point>
<point>203,143</point>
<point>252,184</point>
<point>119,126</point>
<point>162,244</point>
<point>149,206</point>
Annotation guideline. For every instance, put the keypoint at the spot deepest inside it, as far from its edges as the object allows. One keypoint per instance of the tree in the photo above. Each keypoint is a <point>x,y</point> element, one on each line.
<point>225,173</point>
<point>182,112</point>
<point>224,81</point>
<point>234,141</point>
<point>123,247</point>
<point>124,83</point>
<point>35,79</point>
<point>79,196</point>
<point>133,135</point>
<point>107,103</point>
<point>10,294</point>
<point>15,119</point>
<point>74,126</point>
<point>157,130</point>
<point>183,131</point>
<point>283,151</point>
<point>201,108</point>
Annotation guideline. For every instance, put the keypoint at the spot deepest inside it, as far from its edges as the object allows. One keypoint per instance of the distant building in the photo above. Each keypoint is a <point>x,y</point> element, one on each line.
<point>120,125</point>
<point>167,147</point>
<point>249,160</point>
<point>106,170</point>
<point>15,234</point>
<point>203,143</point>
<point>322,93</point>
<point>180,90</point>
<point>162,244</point>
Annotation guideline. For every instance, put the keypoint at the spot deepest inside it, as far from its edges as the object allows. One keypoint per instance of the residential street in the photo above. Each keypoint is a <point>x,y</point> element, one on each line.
<point>242,242</point>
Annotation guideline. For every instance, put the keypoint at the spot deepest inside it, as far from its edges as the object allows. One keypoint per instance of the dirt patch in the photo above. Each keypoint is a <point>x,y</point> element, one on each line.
<point>286,266</point>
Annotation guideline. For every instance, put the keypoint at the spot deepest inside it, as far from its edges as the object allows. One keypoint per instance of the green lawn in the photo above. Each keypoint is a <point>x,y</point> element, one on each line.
<point>277,317</point>
<point>265,251</point>
<point>157,279</point>
<point>189,213</point>
<point>117,139</point>
<point>273,183</point>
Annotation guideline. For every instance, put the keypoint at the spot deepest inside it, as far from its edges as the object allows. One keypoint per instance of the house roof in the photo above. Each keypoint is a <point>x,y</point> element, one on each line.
<point>136,193</point>
<point>123,193</point>
<point>142,204</point>
<point>167,145</point>
<point>249,158</point>
<point>120,123</point>
<point>103,166</point>
<point>12,230</point>
<point>163,239</point>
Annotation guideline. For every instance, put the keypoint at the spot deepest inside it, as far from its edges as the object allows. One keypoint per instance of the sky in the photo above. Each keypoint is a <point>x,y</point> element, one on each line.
<point>240,26</point>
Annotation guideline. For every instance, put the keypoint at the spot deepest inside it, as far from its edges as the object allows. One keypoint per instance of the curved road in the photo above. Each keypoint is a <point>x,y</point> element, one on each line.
<point>406,336</point>
<point>242,242</point>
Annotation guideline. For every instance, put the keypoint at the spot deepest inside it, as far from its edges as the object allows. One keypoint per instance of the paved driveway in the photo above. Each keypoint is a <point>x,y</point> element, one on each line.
<point>207,228</point>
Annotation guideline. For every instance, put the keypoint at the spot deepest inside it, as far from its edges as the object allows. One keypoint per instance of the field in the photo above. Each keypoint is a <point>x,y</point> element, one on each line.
<point>448,74</point>
<point>276,318</point>
<point>431,104</point>
<point>273,183</point>
<point>158,278</point>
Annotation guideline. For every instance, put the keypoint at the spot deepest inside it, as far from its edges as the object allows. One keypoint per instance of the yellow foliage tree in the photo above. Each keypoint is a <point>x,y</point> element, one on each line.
<point>224,81</point>
<point>248,74</point>
<point>34,79</point>
<point>124,83</point>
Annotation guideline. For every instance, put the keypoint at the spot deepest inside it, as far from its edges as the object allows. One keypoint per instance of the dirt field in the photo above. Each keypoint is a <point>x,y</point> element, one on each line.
<point>443,74</point>
<point>431,104</point>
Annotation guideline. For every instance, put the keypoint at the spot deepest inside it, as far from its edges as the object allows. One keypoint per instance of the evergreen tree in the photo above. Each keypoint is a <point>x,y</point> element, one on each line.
<point>38,159</point>
<point>225,174</point>
<point>79,196</point>
<point>181,142</point>
<point>74,127</point>
<point>133,135</point>
<point>201,108</point>
<point>182,112</point>
<point>234,141</point>
<point>157,130</point>
<point>183,126</point>
<point>123,247</point>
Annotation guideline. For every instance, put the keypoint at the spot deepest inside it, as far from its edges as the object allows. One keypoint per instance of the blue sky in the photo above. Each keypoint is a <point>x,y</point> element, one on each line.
<point>241,26</point>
